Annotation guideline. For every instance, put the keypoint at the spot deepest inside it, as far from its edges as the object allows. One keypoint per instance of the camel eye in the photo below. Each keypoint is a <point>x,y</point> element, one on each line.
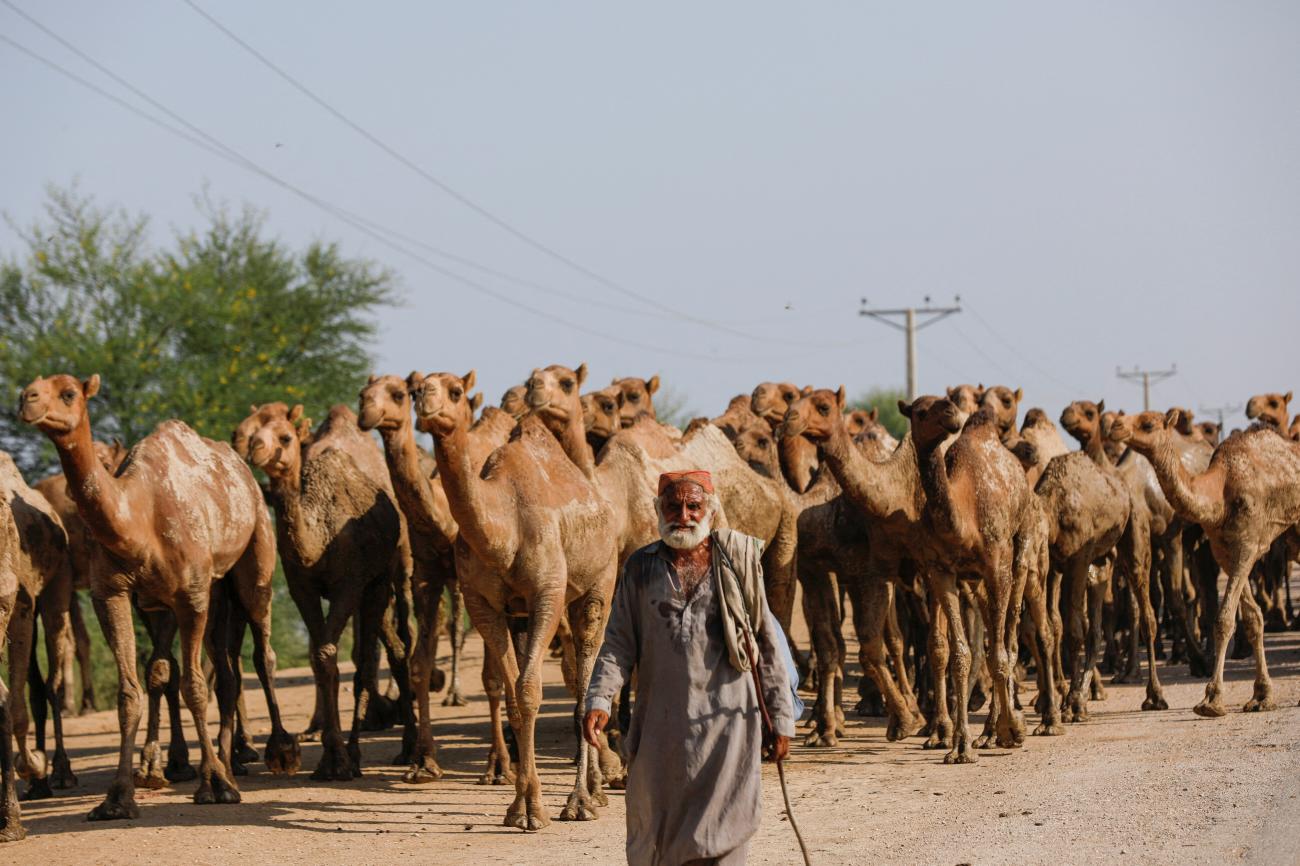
<point>634,397</point>
<point>567,385</point>
<point>1147,426</point>
<point>763,443</point>
<point>824,410</point>
<point>1006,401</point>
<point>455,394</point>
<point>68,396</point>
<point>284,438</point>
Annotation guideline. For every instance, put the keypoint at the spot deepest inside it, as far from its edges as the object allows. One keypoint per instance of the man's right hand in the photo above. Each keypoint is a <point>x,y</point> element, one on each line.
<point>592,724</point>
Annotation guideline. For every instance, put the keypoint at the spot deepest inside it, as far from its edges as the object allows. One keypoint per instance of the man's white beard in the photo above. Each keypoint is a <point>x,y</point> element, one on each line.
<point>685,539</point>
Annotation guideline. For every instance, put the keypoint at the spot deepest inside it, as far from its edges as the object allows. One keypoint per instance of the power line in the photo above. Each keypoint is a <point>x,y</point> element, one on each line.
<point>465,200</point>
<point>1147,378</point>
<point>1021,355</point>
<point>361,226</point>
<point>910,327</point>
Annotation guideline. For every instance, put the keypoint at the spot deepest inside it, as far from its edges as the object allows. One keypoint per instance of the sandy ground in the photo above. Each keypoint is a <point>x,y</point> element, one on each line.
<point>1126,786</point>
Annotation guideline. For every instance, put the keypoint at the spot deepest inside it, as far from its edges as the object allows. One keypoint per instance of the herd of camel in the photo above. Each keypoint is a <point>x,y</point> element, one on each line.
<point>938,544</point>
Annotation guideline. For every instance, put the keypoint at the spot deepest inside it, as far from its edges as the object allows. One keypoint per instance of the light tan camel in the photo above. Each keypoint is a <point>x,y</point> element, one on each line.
<point>1040,441</point>
<point>536,539</point>
<point>770,401</point>
<point>600,415</point>
<point>512,401</point>
<point>638,398</point>
<point>737,417</point>
<point>337,533</point>
<point>1249,495</point>
<point>1270,409</point>
<point>181,513</point>
<point>44,589</point>
<point>11,826</point>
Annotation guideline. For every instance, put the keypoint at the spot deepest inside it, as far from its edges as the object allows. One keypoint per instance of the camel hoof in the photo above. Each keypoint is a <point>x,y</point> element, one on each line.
<point>1098,692</point>
<point>237,768</point>
<point>455,699</point>
<point>422,772</point>
<point>62,777</point>
<point>1210,709</point>
<point>1259,705</point>
<point>311,735</point>
<point>1049,730</point>
<point>437,680</point>
<point>335,766</point>
<point>244,753</point>
<point>527,821</point>
<point>283,754</point>
<point>114,809</point>
<point>869,708</point>
<point>12,832</point>
<point>381,714</point>
<point>1157,702</point>
<point>37,789</point>
<point>1198,668</point>
<point>960,757</point>
<point>151,781</point>
<point>983,741</point>
<point>216,790</point>
<point>578,809</point>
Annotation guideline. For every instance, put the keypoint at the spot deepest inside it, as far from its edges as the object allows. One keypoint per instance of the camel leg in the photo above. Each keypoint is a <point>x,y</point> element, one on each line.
<point>216,784</point>
<point>373,609</point>
<point>11,828</point>
<point>1211,705</point>
<point>428,590</point>
<point>81,636</point>
<point>587,616</point>
<point>31,764</point>
<point>1049,706</point>
<point>1076,702</point>
<point>822,614</point>
<point>456,632</point>
<point>1055,579</point>
<point>395,633</point>
<point>1172,573</point>
<point>1253,618</point>
<point>323,636</point>
<point>897,649</point>
<point>226,635</point>
<point>870,610</point>
<point>114,614</point>
<point>67,649</point>
<point>57,622</point>
<point>939,651</point>
<point>159,670</point>
<point>1000,623</point>
<point>944,586</point>
<point>1137,556</point>
<point>527,812</point>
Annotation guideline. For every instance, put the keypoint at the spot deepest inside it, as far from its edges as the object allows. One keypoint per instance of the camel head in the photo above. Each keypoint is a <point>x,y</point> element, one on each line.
<point>859,419</point>
<point>638,398</point>
<point>1146,431</point>
<point>1184,424</point>
<point>967,397</point>
<point>1114,449</point>
<point>110,456</point>
<point>1270,409</point>
<point>771,400</point>
<point>258,416</point>
<point>756,446</point>
<point>443,404</point>
<point>1293,432</point>
<point>385,402</point>
<point>600,412</point>
<point>512,401</point>
<point>816,416</point>
<point>1210,431</point>
<point>57,405</point>
<point>933,419</point>
<point>1082,420</point>
<point>276,449</point>
<point>874,440</point>
<point>553,395</point>
<point>1005,404</point>
<point>1036,417</point>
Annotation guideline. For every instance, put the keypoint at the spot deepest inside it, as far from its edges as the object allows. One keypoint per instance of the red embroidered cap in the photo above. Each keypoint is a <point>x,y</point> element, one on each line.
<point>695,476</point>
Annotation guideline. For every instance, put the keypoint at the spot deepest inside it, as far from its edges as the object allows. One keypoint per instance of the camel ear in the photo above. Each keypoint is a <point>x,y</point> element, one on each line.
<point>413,381</point>
<point>980,387</point>
<point>303,430</point>
<point>1286,398</point>
<point>90,387</point>
<point>840,397</point>
<point>1171,417</point>
<point>1019,394</point>
<point>806,390</point>
<point>470,378</point>
<point>476,401</point>
<point>653,384</point>
<point>581,373</point>
<point>372,380</point>
<point>949,391</point>
<point>252,408</point>
<point>874,414</point>
<point>905,408</point>
<point>1101,406</point>
<point>295,413</point>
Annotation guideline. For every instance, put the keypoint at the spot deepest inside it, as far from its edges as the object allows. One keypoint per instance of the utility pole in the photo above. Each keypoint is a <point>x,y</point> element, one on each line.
<point>1147,377</point>
<point>909,327</point>
<point>1220,411</point>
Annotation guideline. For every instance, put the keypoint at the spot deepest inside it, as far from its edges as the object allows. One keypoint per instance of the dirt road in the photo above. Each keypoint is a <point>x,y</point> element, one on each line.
<point>1127,786</point>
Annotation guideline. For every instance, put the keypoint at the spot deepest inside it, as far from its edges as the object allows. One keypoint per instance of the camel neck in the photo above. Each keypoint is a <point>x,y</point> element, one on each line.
<point>1180,487</point>
<point>573,439</point>
<point>1096,451</point>
<point>878,488</point>
<point>99,495</point>
<point>413,488</point>
<point>933,469</point>
<point>480,525</point>
<point>291,523</point>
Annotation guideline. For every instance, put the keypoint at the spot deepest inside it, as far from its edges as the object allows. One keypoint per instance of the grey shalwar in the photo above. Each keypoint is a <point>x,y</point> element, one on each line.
<point>694,773</point>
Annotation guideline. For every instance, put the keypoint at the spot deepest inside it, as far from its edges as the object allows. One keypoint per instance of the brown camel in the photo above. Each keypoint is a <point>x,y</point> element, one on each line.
<point>40,563</point>
<point>385,406</point>
<point>512,401</point>
<point>985,525</point>
<point>857,420</point>
<point>1270,409</point>
<point>334,526</point>
<point>737,417</point>
<point>1249,495</point>
<point>1211,432</point>
<point>11,827</point>
<point>536,539</point>
<point>770,401</point>
<point>638,398</point>
<point>890,494</point>
<point>1293,432</point>
<point>966,397</point>
<point>181,513</point>
<point>1082,420</point>
<point>1040,441</point>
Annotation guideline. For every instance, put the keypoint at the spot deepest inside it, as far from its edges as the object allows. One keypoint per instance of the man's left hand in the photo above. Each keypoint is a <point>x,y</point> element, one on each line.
<point>780,748</point>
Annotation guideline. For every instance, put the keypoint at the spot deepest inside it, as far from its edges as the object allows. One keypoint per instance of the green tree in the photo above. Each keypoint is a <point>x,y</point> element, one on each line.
<point>221,318</point>
<point>885,401</point>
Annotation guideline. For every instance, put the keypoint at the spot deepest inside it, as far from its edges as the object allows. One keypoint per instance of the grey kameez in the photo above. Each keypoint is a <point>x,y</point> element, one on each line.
<point>694,776</point>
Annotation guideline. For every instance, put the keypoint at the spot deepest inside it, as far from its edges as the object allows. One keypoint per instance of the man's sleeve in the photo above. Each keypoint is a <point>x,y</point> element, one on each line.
<point>618,653</point>
<point>776,679</point>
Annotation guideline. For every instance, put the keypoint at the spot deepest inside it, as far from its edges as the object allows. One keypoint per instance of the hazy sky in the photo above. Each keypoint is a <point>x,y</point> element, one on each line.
<point>1103,183</point>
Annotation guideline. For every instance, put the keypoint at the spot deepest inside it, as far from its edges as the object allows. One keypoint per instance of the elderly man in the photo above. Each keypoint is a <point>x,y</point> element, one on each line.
<point>690,614</point>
